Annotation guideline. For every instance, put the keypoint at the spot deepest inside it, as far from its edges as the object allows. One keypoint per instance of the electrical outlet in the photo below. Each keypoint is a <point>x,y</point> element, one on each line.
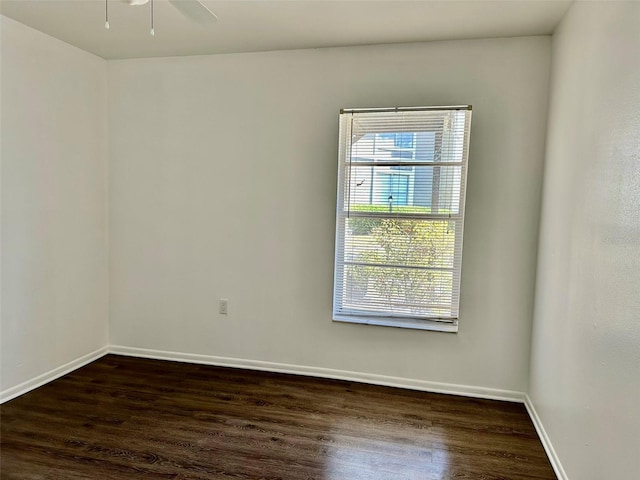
<point>223,306</point>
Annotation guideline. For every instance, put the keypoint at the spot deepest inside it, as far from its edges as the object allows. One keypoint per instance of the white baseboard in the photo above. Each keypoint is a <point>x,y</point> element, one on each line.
<point>544,438</point>
<point>51,375</point>
<point>400,382</point>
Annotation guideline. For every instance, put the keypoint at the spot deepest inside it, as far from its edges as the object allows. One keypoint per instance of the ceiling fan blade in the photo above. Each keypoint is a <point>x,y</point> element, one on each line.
<point>196,11</point>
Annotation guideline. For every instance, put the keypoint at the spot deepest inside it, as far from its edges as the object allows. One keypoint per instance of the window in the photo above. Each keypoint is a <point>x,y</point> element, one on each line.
<point>400,216</point>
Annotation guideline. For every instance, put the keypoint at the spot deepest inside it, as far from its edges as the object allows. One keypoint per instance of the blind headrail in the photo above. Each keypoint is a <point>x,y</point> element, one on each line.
<point>404,109</point>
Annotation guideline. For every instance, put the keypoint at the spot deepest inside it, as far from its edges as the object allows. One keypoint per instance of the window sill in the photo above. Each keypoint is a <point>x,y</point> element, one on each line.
<point>401,323</point>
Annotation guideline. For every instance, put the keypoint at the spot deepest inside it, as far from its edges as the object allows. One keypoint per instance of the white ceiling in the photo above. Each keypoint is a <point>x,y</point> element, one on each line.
<point>246,26</point>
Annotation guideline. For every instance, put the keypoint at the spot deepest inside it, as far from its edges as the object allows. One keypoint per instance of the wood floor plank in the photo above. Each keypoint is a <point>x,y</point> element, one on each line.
<point>129,418</point>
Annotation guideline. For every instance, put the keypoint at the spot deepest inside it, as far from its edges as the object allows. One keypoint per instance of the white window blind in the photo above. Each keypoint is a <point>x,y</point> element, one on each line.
<point>400,215</point>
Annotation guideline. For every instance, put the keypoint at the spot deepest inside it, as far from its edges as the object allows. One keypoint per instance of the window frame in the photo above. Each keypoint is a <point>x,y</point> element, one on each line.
<point>449,324</point>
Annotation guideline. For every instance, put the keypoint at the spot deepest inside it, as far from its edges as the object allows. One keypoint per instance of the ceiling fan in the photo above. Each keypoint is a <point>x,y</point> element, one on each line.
<point>192,9</point>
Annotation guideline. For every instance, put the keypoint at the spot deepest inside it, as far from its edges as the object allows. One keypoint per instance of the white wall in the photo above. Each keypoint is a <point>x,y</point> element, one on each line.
<point>223,183</point>
<point>585,364</point>
<point>54,203</point>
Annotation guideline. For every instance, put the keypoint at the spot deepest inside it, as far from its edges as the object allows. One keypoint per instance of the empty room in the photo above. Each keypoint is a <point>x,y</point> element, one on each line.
<point>328,240</point>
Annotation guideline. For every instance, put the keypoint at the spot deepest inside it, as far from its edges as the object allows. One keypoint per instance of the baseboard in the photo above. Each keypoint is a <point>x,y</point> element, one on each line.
<point>51,375</point>
<point>544,438</point>
<point>400,382</point>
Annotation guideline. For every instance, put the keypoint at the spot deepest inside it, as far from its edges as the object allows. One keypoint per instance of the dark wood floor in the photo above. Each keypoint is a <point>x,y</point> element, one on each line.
<point>121,418</point>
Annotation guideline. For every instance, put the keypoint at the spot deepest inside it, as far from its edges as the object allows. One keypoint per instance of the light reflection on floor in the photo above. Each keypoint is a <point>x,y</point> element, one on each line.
<point>353,451</point>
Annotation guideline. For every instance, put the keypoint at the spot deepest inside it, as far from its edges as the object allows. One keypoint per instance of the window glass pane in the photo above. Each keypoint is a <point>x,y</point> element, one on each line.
<point>398,291</point>
<point>407,242</point>
<point>427,189</point>
<point>381,147</point>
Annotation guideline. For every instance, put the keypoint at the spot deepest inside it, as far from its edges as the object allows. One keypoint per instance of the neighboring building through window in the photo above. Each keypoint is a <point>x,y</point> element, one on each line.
<point>400,215</point>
